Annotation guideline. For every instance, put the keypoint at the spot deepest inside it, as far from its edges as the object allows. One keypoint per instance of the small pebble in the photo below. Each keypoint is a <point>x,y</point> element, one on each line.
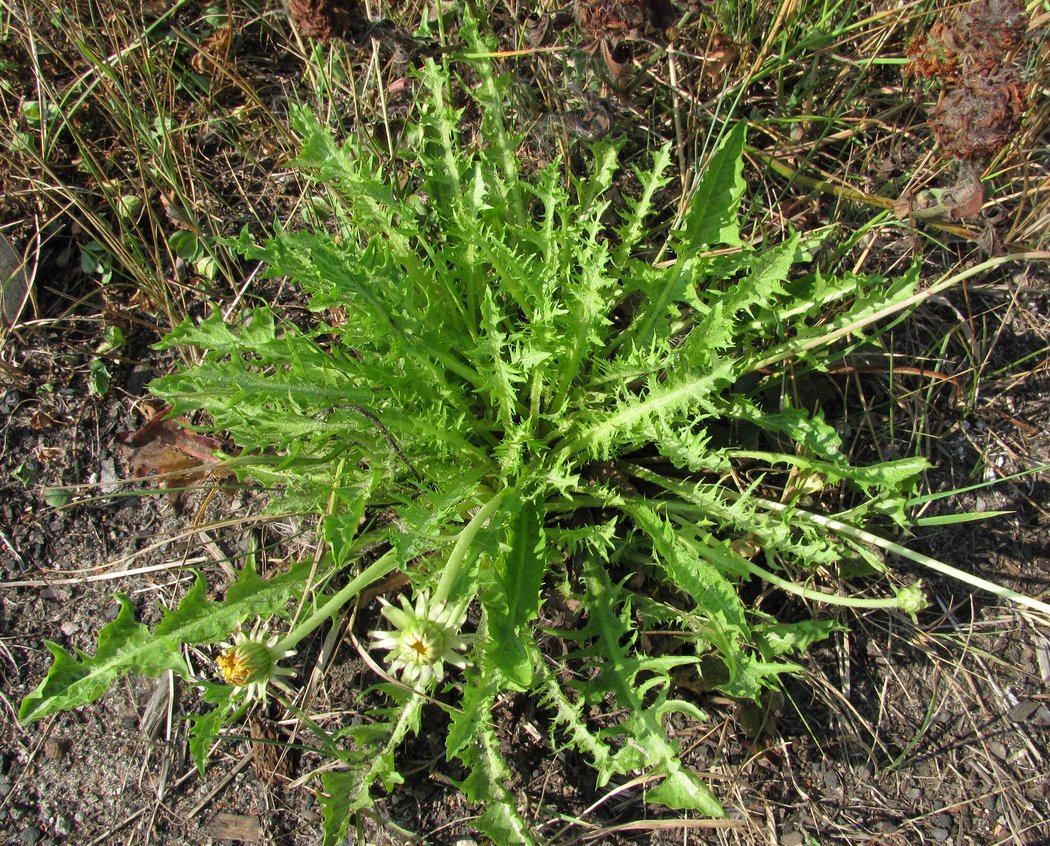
<point>939,834</point>
<point>108,476</point>
<point>831,780</point>
<point>63,825</point>
<point>56,748</point>
<point>998,750</point>
<point>792,838</point>
<point>1023,710</point>
<point>29,836</point>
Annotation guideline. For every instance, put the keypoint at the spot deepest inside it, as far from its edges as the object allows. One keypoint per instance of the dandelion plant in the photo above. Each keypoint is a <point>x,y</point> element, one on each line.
<point>516,387</point>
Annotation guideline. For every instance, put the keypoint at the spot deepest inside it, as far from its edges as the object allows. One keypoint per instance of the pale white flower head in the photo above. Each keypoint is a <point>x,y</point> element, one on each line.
<point>423,640</point>
<point>250,664</point>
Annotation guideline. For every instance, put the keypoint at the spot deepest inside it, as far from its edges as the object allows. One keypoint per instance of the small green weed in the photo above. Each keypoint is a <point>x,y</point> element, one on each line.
<point>507,399</point>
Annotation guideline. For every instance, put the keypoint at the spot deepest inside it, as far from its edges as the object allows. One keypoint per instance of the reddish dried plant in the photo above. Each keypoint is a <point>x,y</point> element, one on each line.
<point>932,56</point>
<point>326,19</point>
<point>978,41</point>
<point>982,108</point>
<point>978,118</point>
<point>612,18</point>
<point>991,28</point>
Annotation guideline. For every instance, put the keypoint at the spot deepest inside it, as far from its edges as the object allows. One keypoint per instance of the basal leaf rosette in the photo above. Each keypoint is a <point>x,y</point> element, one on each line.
<point>425,637</point>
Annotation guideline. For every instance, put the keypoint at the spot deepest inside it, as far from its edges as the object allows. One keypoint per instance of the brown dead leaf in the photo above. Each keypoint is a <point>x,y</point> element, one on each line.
<point>162,460</point>
<point>55,749</point>
<point>399,87</point>
<point>47,454</point>
<point>173,210</point>
<point>213,53</point>
<point>270,758</point>
<point>41,421</point>
<point>721,55</point>
<point>967,193</point>
<point>617,68</point>
<point>989,241</point>
<point>602,19</point>
<point>173,431</point>
<point>165,448</point>
<point>327,19</point>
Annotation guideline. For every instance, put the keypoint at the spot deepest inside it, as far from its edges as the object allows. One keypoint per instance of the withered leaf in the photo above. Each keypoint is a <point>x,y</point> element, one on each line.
<point>213,52</point>
<point>41,421</point>
<point>164,447</point>
<point>967,194</point>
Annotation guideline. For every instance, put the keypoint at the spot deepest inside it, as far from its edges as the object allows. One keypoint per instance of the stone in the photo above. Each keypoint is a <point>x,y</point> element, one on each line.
<point>1023,710</point>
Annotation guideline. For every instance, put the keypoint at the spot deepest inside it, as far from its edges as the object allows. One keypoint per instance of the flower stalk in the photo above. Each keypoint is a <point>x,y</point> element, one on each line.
<point>427,636</point>
<point>381,567</point>
<point>459,555</point>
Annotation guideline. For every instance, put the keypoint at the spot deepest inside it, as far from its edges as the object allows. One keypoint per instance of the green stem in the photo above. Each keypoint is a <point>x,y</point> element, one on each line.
<point>862,536</point>
<point>458,557</point>
<point>375,571</point>
<point>817,595</point>
<point>795,347</point>
<point>853,533</point>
